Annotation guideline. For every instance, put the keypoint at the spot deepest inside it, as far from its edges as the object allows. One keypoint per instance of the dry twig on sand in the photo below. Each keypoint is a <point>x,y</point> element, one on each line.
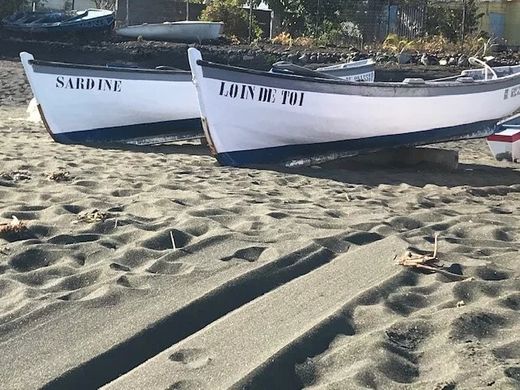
<point>15,226</point>
<point>58,176</point>
<point>427,262</point>
<point>173,241</point>
<point>91,216</point>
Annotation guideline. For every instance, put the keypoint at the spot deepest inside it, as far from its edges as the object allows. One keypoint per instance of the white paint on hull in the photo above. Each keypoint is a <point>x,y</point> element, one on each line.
<point>247,124</point>
<point>193,31</point>
<point>138,101</point>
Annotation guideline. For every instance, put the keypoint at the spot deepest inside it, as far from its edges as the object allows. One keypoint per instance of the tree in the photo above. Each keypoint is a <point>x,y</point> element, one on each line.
<point>106,4</point>
<point>448,20</point>
<point>307,16</point>
<point>234,16</point>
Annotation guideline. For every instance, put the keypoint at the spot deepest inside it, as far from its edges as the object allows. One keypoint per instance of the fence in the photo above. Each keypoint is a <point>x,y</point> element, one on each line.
<point>372,20</point>
<point>379,18</point>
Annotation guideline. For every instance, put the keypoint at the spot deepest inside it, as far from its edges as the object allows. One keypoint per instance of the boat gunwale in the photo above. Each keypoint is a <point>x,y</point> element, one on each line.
<point>54,64</point>
<point>427,83</point>
<point>176,23</point>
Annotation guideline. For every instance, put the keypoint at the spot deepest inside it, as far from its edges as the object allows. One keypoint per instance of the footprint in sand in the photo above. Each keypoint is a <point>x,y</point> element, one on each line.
<point>512,301</point>
<point>250,254</point>
<point>119,267</point>
<point>479,324</point>
<point>132,281</point>
<point>163,267</point>
<point>508,351</point>
<point>166,240</point>
<point>185,385</point>
<point>67,239</point>
<point>193,358</point>
<point>32,259</point>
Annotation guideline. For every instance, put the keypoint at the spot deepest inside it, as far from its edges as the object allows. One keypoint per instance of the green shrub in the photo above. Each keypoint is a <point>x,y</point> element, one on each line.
<point>235,18</point>
<point>342,34</point>
<point>447,21</point>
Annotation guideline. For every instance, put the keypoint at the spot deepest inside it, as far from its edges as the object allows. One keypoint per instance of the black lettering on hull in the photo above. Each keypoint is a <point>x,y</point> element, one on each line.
<point>261,94</point>
<point>88,84</point>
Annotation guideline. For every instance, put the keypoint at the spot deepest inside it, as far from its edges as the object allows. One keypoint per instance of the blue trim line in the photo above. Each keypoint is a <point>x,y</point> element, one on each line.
<point>174,130</point>
<point>283,154</point>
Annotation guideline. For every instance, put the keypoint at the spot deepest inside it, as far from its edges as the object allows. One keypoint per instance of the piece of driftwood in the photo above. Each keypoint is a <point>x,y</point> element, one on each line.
<point>58,176</point>
<point>427,262</point>
<point>91,216</point>
<point>15,226</point>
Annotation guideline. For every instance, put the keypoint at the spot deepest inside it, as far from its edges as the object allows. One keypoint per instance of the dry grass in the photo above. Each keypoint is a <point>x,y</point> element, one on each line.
<point>283,38</point>
<point>473,45</point>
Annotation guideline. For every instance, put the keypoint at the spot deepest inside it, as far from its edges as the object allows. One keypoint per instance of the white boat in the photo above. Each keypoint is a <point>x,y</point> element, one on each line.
<point>92,104</point>
<point>184,31</point>
<point>362,70</point>
<point>252,117</point>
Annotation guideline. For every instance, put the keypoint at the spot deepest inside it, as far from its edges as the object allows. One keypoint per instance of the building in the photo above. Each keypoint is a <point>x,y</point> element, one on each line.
<point>501,19</point>
<point>70,4</point>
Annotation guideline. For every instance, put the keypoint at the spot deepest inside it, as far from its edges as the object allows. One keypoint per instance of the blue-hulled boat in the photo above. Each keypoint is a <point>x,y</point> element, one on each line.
<point>60,22</point>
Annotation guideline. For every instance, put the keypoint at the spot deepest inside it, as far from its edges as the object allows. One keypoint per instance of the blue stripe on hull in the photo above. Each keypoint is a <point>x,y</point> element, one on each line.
<point>172,130</point>
<point>282,154</point>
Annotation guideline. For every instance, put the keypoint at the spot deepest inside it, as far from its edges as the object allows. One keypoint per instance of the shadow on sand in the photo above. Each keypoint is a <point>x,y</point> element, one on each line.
<point>475,175</point>
<point>352,171</point>
<point>190,148</point>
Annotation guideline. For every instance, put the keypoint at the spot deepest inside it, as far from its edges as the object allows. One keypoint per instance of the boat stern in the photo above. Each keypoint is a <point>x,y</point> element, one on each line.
<point>505,143</point>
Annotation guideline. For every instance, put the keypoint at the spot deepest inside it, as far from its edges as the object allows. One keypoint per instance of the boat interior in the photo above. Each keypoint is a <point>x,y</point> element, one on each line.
<point>501,71</point>
<point>484,73</point>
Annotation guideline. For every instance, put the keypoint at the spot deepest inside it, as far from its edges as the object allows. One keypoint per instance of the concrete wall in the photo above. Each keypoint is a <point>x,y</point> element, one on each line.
<point>502,20</point>
<point>512,28</point>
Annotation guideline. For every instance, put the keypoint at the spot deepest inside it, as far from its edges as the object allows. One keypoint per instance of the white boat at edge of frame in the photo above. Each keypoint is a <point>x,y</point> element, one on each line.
<point>97,104</point>
<point>182,31</point>
<point>252,117</point>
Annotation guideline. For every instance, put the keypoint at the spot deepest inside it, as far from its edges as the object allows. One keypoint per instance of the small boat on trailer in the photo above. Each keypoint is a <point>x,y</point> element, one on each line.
<point>505,142</point>
<point>61,22</point>
<point>252,117</point>
<point>183,31</point>
<point>96,104</point>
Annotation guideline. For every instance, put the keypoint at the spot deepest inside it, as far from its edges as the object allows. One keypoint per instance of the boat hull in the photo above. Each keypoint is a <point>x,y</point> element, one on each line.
<point>88,21</point>
<point>271,118</point>
<point>90,104</point>
<point>175,31</point>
